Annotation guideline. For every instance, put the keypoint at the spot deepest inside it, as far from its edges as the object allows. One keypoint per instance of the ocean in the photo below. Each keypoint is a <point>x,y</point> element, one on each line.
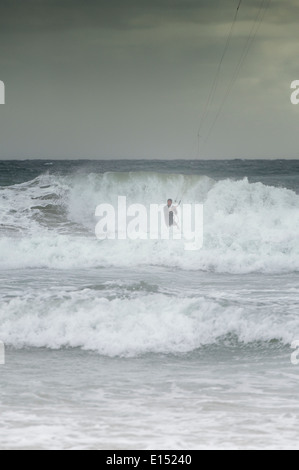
<point>141,344</point>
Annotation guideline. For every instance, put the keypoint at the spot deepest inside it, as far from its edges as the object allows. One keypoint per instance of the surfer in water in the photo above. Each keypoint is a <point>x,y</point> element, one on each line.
<point>170,212</point>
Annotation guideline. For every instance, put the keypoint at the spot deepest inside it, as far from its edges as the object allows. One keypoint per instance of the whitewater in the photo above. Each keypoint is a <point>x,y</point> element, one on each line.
<point>139,343</point>
<point>50,222</point>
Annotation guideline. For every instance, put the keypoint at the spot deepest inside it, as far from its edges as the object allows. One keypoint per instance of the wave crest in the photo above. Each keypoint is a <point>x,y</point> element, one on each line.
<point>50,222</point>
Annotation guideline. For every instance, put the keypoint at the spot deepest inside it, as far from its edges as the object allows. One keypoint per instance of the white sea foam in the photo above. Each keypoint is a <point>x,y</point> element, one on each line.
<point>227,380</point>
<point>129,325</point>
<point>50,222</point>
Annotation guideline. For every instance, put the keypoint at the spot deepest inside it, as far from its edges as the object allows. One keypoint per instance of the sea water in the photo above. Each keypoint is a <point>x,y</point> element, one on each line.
<point>124,344</point>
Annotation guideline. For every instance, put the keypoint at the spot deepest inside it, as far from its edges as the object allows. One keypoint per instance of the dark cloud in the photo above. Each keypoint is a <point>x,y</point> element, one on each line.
<point>36,15</point>
<point>131,77</point>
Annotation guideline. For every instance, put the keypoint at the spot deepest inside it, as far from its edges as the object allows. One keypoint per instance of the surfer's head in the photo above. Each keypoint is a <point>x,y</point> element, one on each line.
<point>169,202</point>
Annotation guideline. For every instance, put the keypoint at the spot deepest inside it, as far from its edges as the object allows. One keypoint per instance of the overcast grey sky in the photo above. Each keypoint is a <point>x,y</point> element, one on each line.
<point>130,79</point>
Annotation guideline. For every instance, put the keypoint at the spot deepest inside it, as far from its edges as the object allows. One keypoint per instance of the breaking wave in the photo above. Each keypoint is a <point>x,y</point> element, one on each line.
<point>138,319</point>
<point>50,222</point>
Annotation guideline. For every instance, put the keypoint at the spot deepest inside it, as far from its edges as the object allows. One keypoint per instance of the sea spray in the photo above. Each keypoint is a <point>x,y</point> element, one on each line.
<point>50,221</point>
